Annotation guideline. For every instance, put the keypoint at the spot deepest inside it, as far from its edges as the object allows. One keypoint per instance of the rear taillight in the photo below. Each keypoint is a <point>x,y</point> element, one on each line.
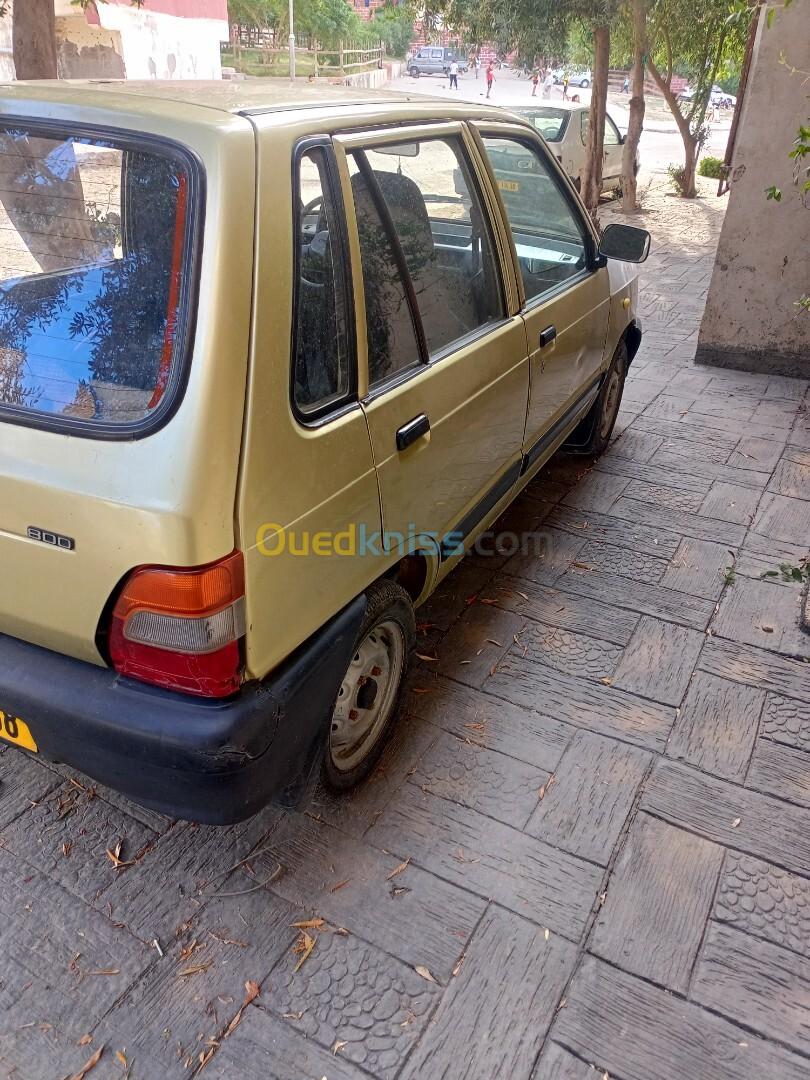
<point>182,628</point>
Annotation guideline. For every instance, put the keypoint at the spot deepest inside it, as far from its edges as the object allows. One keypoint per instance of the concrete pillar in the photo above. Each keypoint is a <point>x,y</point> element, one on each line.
<point>751,320</point>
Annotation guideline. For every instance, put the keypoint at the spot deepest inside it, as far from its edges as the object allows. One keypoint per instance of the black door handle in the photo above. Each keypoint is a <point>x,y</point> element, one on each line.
<point>547,336</point>
<point>413,430</point>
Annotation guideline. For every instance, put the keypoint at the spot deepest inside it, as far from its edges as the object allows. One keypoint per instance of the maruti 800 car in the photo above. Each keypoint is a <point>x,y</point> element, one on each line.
<point>265,375</point>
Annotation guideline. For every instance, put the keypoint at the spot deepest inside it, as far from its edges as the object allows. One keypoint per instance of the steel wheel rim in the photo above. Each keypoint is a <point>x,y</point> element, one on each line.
<point>611,406</point>
<point>367,695</point>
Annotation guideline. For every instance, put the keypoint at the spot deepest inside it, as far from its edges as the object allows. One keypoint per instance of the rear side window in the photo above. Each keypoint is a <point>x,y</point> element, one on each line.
<point>322,374</point>
<point>94,278</point>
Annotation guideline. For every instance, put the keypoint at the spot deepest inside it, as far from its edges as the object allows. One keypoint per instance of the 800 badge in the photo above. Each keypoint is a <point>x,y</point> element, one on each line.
<point>15,730</point>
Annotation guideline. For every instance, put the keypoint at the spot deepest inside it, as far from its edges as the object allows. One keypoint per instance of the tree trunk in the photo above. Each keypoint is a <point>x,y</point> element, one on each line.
<point>691,148</point>
<point>34,39</point>
<point>594,151</point>
<point>635,124</point>
<point>691,145</point>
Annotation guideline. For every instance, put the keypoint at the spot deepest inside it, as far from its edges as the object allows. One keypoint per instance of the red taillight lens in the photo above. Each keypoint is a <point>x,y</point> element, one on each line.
<point>181,629</point>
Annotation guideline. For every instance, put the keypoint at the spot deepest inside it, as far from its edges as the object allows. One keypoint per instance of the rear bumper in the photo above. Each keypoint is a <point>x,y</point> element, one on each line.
<point>210,761</point>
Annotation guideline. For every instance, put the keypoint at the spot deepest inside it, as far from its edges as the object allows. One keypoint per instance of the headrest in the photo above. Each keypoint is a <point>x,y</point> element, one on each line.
<point>408,211</point>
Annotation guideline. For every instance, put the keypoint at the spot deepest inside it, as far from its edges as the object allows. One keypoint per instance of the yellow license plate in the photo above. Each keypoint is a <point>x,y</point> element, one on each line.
<point>509,185</point>
<point>15,730</point>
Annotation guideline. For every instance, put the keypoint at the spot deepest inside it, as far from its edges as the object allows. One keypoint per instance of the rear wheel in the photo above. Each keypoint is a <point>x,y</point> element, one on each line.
<point>585,84</point>
<point>365,707</point>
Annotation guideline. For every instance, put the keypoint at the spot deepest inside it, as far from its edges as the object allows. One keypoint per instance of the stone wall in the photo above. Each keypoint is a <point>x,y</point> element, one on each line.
<point>763,259</point>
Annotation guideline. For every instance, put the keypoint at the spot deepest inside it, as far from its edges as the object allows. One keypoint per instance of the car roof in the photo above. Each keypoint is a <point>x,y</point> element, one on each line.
<point>565,106</point>
<point>212,100</point>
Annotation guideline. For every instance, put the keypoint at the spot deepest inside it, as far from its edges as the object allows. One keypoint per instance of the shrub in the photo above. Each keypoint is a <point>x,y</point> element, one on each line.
<point>677,177</point>
<point>713,167</point>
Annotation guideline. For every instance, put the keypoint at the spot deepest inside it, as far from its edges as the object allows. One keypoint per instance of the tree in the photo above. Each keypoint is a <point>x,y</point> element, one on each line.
<point>699,37</point>
<point>33,36</point>
<point>591,186</point>
<point>635,123</point>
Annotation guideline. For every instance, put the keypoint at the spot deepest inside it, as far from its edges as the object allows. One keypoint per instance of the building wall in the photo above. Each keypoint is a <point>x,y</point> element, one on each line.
<point>167,44</point>
<point>763,258</point>
<point>87,52</point>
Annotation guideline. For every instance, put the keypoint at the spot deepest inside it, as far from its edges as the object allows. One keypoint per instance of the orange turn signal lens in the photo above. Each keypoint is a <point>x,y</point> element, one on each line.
<point>200,591</point>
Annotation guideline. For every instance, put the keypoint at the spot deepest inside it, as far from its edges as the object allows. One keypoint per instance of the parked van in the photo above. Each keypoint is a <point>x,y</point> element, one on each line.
<point>264,377</point>
<point>433,60</point>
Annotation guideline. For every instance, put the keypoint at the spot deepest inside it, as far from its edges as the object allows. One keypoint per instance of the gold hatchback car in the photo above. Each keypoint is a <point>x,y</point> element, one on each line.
<point>271,358</point>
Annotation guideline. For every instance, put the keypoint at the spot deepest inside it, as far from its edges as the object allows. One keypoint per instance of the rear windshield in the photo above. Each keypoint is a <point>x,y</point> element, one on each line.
<point>94,244</point>
<point>550,122</point>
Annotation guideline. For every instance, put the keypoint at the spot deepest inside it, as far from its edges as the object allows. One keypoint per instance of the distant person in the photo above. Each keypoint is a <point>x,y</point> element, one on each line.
<point>454,75</point>
<point>626,85</point>
<point>535,81</point>
<point>566,80</point>
<point>548,83</point>
<point>477,64</point>
<point>490,77</point>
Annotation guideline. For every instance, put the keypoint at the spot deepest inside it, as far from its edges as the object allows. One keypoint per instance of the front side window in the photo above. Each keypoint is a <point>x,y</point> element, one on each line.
<point>439,225</point>
<point>612,136</point>
<point>321,361</point>
<point>549,236</point>
<point>95,239</point>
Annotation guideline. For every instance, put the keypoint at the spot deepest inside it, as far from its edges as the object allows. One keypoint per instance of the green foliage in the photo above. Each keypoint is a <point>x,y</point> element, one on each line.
<point>700,41</point>
<point>393,24</point>
<point>789,572</point>
<point>325,20</point>
<point>713,167</point>
<point>773,192</point>
<point>677,178</point>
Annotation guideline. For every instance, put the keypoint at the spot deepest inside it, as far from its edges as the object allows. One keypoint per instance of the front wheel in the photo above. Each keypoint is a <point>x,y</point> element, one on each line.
<point>585,84</point>
<point>592,434</point>
<point>365,707</point>
<point>414,72</point>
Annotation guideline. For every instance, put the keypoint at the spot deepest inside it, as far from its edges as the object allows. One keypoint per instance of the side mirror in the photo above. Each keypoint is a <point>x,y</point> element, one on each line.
<point>625,243</point>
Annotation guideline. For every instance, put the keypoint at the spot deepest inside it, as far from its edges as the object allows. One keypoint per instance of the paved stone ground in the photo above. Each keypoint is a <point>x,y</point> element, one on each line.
<point>587,847</point>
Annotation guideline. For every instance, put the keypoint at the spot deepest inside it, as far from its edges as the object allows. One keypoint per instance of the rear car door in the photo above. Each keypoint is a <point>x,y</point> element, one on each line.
<point>446,364</point>
<point>565,290</point>
<point>308,488</point>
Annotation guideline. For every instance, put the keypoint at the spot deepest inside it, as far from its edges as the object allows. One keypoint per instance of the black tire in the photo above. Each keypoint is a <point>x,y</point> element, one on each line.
<point>389,612</point>
<point>584,84</point>
<point>413,72</point>
<point>592,435</point>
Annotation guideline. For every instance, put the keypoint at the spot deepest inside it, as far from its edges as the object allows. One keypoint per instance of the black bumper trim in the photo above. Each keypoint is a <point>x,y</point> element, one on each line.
<point>208,761</point>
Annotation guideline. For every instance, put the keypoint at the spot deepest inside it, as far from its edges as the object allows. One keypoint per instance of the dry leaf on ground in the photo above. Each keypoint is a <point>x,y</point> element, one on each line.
<point>88,1065</point>
<point>303,947</point>
<point>420,969</point>
<point>398,869</point>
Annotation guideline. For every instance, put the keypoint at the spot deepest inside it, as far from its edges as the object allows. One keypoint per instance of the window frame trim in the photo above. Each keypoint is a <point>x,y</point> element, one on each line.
<point>123,139</point>
<point>357,141</point>
<point>525,134</point>
<point>335,406</point>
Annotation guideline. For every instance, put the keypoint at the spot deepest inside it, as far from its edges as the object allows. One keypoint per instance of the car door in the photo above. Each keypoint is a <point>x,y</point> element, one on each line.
<point>612,161</point>
<point>565,289</point>
<point>447,372</point>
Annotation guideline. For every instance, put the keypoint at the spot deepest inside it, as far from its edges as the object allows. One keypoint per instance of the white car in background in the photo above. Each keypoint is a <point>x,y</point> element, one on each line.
<point>564,126</point>
<point>575,78</point>
<point>718,96</point>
